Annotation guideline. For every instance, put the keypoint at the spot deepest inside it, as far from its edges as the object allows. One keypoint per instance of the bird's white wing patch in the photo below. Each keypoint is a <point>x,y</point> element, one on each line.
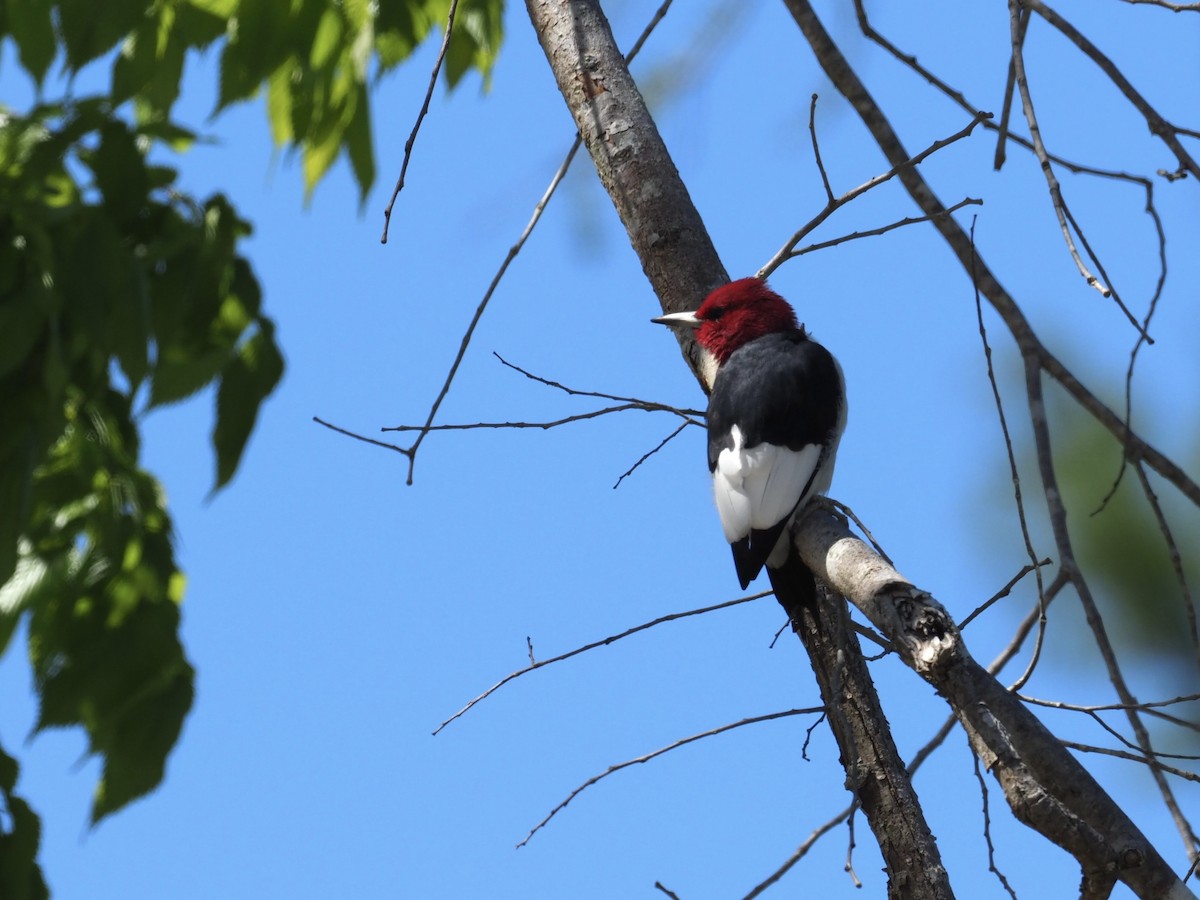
<point>758,487</point>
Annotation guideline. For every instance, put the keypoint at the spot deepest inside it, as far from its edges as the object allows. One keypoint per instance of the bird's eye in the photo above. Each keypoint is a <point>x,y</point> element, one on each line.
<point>715,313</point>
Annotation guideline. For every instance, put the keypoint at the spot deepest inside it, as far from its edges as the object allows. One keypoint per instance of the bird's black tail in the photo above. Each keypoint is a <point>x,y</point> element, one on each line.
<point>794,584</point>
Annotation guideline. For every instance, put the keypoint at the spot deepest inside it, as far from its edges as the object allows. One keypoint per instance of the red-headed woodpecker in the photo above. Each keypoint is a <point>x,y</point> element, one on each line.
<point>775,416</point>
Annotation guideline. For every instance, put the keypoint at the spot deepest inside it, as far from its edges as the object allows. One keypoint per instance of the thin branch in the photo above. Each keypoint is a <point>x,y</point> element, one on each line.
<point>1189,602</point>
<point>513,251</point>
<point>1004,592</point>
<point>816,146</point>
<point>575,392</point>
<point>801,851</point>
<point>553,423</point>
<point>1158,125</point>
<point>479,310</point>
<point>649,453</point>
<point>833,205</point>
<point>1039,148</point>
<point>603,642</point>
<point>996,294</point>
<point>1150,761</point>
<point>1014,470</point>
<point>1167,4</point>
<point>1062,539</point>
<point>884,229</point>
<point>613,769</point>
<point>1006,110</point>
<point>659,886</point>
<point>358,437</point>
<point>1076,168</point>
<point>848,866</point>
<point>987,826</point>
<point>412,138</point>
<point>1150,708</point>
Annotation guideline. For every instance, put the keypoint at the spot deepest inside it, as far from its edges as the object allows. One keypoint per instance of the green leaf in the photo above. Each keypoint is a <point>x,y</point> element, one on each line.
<point>475,44</point>
<point>120,170</point>
<point>244,385</point>
<point>257,45</point>
<point>89,29</point>
<point>31,27</point>
<point>20,875</point>
<point>104,641</point>
<point>21,591</point>
<point>358,145</point>
<point>400,27</point>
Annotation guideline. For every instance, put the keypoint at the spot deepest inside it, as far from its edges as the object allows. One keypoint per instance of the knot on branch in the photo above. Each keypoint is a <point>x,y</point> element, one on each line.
<point>926,630</point>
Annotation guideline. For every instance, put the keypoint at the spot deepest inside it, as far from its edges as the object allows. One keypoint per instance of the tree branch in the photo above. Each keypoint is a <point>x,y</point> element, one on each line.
<point>678,258</point>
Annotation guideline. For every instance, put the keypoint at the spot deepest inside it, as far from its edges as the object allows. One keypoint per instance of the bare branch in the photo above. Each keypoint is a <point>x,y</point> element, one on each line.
<point>884,229</point>
<point>786,252</point>
<point>812,710</point>
<point>1158,125</point>
<point>801,851</point>
<point>1004,592</point>
<point>1167,4</point>
<point>649,453</point>
<point>1006,112</point>
<point>412,137</point>
<point>553,423</point>
<point>987,827</point>
<point>603,642</point>
<point>513,251</point>
<point>1152,762</point>
<point>1014,471</point>
<point>1039,148</point>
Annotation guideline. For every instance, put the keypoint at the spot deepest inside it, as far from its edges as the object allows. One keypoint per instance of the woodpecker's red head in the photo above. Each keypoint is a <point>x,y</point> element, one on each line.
<point>735,314</point>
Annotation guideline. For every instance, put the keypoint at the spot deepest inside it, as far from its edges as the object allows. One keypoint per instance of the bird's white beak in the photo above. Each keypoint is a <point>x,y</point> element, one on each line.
<point>680,318</point>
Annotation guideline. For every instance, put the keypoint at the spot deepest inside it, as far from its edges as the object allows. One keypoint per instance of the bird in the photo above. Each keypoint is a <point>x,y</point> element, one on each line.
<point>775,417</point>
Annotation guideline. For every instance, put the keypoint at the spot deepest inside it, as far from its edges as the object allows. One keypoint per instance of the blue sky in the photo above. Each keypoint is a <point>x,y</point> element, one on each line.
<point>336,615</point>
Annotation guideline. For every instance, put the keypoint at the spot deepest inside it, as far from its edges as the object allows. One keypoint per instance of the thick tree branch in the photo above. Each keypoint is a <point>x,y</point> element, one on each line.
<point>635,168</point>
<point>679,260</point>
<point>1046,786</point>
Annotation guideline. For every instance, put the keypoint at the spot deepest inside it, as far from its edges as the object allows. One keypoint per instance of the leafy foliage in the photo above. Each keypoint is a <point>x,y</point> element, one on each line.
<point>115,288</point>
<point>119,294</point>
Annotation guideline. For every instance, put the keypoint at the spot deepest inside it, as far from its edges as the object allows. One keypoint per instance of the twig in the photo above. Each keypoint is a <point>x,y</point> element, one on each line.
<point>801,851</point>
<point>412,138</point>
<point>515,249</point>
<point>1014,471</point>
<point>1189,602</point>
<point>1062,539</point>
<point>884,229</point>
<point>1150,708</point>
<point>812,710</point>
<point>669,893</point>
<point>603,642</point>
<point>1167,4</point>
<point>479,310</point>
<point>1039,148</point>
<point>1137,345</point>
<point>833,205</point>
<point>816,146</point>
<point>552,423</point>
<point>649,453</point>
<point>1158,125</point>
<point>1006,110</point>
<point>359,437</point>
<point>987,826</point>
<point>575,392</point>
<point>1150,761</point>
<point>848,867</point>
<point>1002,593</point>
